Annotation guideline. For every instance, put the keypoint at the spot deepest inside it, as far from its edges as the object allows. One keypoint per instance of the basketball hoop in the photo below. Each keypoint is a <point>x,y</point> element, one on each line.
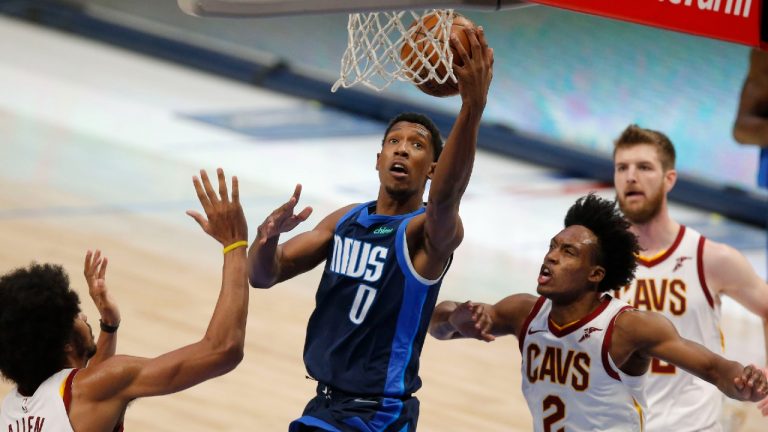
<point>376,43</point>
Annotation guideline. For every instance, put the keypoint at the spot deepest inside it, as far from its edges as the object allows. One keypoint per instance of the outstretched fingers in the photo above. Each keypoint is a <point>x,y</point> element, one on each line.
<point>201,194</point>
<point>200,219</point>
<point>223,193</point>
<point>223,218</point>
<point>476,47</point>
<point>103,268</point>
<point>91,265</point>
<point>460,50</point>
<point>235,190</point>
<point>209,192</point>
<point>486,51</point>
<point>293,200</point>
<point>303,215</point>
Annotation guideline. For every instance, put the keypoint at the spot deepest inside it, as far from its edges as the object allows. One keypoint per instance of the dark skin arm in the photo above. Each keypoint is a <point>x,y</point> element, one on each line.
<point>101,393</point>
<point>638,336</point>
<point>751,125</point>
<point>453,320</point>
<point>271,263</point>
<point>94,270</point>
<point>433,237</point>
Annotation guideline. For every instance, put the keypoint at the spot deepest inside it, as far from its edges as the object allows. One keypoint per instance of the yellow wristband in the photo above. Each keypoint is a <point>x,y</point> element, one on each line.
<point>235,245</point>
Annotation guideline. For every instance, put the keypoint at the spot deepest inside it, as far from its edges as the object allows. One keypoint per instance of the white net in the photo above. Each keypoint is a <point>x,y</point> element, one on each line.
<point>402,45</point>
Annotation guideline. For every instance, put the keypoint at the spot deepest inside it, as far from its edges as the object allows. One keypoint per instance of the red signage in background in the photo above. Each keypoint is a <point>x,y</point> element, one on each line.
<point>731,20</point>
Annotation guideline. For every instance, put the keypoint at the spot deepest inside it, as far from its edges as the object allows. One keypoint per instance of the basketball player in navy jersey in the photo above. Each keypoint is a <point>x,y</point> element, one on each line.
<point>585,353</point>
<point>384,262</point>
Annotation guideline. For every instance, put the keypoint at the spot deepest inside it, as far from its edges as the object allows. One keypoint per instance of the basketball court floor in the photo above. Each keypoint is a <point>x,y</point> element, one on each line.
<point>97,150</point>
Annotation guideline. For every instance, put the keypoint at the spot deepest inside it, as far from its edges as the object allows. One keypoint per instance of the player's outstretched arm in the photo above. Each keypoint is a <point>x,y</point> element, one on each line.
<point>728,272</point>
<point>270,263</point>
<point>120,379</point>
<point>650,334</point>
<point>95,270</point>
<point>454,168</point>
<point>751,125</point>
<point>453,320</point>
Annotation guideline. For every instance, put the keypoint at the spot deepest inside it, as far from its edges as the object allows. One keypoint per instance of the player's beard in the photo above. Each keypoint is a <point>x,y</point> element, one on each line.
<point>84,345</point>
<point>646,211</point>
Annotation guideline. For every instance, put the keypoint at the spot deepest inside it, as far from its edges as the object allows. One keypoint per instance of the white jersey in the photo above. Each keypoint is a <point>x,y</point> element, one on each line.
<point>44,411</point>
<point>673,283</point>
<point>569,379</point>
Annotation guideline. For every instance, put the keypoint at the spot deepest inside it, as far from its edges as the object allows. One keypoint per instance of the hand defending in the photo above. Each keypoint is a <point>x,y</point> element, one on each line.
<point>751,385</point>
<point>225,219</point>
<point>283,219</point>
<point>473,321</point>
<point>95,269</point>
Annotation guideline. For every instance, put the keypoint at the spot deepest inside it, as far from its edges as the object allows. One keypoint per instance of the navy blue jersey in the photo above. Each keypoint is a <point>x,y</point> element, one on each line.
<point>372,309</point>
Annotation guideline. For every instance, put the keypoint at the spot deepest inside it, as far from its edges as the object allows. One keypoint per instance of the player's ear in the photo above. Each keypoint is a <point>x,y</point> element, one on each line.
<point>431,172</point>
<point>378,157</point>
<point>597,274</point>
<point>670,178</point>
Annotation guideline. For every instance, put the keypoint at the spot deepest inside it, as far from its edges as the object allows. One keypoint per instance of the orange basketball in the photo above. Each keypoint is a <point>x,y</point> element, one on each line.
<point>420,42</point>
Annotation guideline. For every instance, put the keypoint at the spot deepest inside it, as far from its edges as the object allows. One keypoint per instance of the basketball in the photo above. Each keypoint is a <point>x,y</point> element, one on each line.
<point>421,42</point>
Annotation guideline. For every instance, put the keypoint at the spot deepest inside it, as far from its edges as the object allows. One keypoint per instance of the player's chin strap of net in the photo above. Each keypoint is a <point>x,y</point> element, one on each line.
<point>378,40</point>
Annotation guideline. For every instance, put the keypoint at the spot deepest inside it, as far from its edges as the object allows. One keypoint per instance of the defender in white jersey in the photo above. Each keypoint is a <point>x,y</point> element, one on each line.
<point>561,363</point>
<point>44,411</point>
<point>46,341</point>
<point>680,274</point>
<point>585,353</point>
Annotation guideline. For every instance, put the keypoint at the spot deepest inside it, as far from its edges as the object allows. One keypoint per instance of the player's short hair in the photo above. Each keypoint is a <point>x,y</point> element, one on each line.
<point>616,246</point>
<point>37,315</point>
<point>635,135</point>
<point>412,117</point>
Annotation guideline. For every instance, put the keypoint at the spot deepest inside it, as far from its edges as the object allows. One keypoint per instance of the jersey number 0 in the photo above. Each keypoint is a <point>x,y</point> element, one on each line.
<point>362,303</point>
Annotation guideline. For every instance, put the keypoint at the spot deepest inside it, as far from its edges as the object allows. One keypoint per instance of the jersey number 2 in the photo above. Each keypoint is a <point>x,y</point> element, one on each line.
<point>557,415</point>
<point>362,303</point>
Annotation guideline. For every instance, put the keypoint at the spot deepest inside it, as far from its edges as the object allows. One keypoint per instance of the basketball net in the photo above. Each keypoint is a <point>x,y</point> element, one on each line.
<point>376,39</point>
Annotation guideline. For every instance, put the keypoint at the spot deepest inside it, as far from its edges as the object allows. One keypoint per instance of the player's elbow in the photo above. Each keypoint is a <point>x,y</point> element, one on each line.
<point>740,133</point>
<point>750,130</point>
<point>257,280</point>
<point>230,355</point>
<point>234,354</point>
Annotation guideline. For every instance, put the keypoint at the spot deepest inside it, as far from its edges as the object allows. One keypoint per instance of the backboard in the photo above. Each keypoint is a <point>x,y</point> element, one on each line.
<point>266,8</point>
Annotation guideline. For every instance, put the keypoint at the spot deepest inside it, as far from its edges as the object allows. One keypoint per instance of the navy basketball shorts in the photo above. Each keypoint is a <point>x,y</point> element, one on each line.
<point>336,411</point>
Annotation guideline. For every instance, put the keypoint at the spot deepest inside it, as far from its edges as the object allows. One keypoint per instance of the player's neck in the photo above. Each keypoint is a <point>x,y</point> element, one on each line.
<point>563,314</point>
<point>390,206</point>
<point>656,235</point>
<point>75,361</point>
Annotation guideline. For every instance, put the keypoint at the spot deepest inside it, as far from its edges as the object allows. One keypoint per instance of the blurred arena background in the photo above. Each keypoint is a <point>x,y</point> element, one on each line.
<point>98,143</point>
